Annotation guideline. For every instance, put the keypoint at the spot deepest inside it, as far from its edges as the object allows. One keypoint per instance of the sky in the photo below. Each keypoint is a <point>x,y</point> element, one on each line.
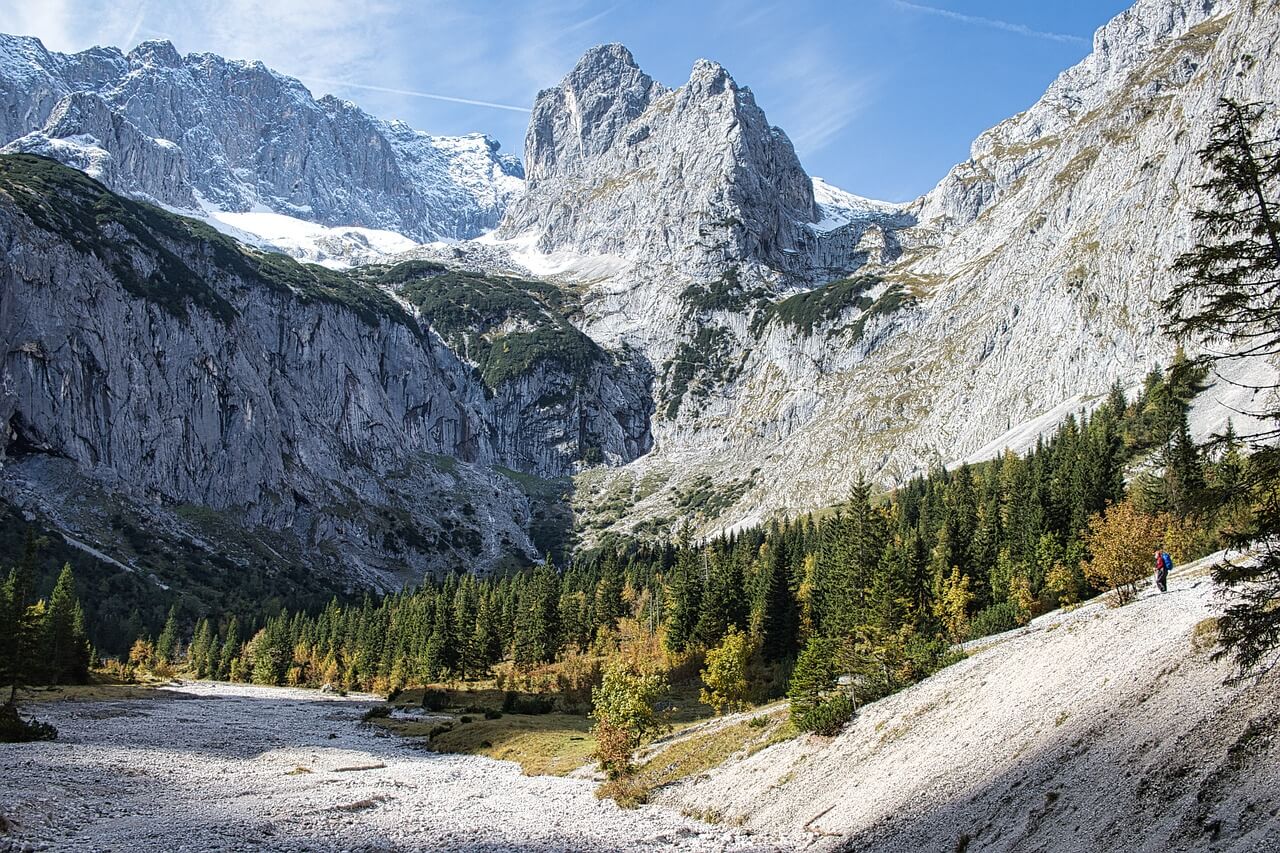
<point>880,97</point>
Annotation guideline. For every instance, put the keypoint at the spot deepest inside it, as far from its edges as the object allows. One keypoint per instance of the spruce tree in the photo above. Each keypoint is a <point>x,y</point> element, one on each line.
<point>66,646</point>
<point>1229,291</point>
<point>167,643</point>
<point>230,649</point>
<point>19,626</point>
<point>684,601</point>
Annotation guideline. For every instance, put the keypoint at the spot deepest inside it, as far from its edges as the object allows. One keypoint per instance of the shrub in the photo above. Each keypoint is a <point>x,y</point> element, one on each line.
<point>995,619</point>
<point>491,714</point>
<point>377,712</point>
<point>828,716</point>
<point>515,703</point>
<point>626,791</point>
<point>434,699</point>
<point>14,729</point>
<point>465,719</point>
<point>726,674</point>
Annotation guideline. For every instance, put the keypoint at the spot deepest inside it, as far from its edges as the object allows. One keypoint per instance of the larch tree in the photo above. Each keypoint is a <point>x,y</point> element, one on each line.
<point>1122,541</point>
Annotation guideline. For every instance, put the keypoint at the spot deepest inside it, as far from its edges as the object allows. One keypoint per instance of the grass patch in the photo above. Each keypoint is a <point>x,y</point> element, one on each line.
<point>704,750</point>
<point>819,306</point>
<point>505,326</point>
<point>1204,636</point>
<point>99,689</point>
<point>543,745</point>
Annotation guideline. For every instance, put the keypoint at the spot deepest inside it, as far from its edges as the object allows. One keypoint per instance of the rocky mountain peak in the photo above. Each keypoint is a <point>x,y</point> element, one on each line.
<point>155,52</point>
<point>583,117</point>
<point>619,164</point>
<point>157,126</point>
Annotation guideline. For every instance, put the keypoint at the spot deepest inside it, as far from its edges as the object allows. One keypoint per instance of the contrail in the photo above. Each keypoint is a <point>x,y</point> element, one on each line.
<point>137,25</point>
<point>994,23</point>
<point>412,94</point>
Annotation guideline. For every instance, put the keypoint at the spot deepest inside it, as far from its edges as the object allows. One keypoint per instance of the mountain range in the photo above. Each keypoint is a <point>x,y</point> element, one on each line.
<point>658,318</point>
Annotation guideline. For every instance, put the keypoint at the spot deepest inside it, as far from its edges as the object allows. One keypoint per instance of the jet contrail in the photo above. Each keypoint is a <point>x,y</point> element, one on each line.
<point>995,23</point>
<point>413,94</point>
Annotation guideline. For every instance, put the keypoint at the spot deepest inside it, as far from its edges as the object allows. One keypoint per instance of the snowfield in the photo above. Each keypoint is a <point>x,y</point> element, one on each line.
<point>233,767</point>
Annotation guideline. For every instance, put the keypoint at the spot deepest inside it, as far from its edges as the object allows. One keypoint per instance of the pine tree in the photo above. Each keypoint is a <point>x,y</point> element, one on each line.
<point>775,616</point>
<point>66,646</point>
<point>230,650</point>
<point>19,626</point>
<point>1230,289</point>
<point>816,706</point>
<point>608,593</point>
<point>684,601</point>
<point>167,642</point>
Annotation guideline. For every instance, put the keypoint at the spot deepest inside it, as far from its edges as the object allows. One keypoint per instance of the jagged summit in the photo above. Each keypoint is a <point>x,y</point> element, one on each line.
<point>619,164</point>
<point>582,117</point>
<point>156,52</point>
<point>236,136</point>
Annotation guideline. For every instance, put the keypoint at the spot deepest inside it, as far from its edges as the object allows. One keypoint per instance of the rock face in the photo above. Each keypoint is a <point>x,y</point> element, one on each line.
<point>174,368</point>
<point>692,178</point>
<point>239,136</point>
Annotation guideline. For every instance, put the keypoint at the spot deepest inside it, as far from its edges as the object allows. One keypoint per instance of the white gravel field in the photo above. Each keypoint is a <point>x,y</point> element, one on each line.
<point>216,767</point>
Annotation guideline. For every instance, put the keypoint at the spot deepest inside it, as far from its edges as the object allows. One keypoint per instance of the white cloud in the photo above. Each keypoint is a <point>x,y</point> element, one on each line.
<point>993,23</point>
<point>824,99</point>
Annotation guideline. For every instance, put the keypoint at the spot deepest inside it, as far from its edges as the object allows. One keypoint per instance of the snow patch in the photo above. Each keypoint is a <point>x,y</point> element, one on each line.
<point>839,208</point>
<point>565,263</point>
<point>334,247</point>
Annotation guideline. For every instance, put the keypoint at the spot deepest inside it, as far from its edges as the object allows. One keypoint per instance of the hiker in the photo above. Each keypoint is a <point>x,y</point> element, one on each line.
<point>1164,563</point>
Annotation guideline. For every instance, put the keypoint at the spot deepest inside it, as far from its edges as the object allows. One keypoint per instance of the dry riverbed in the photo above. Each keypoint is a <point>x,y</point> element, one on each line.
<point>234,767</point>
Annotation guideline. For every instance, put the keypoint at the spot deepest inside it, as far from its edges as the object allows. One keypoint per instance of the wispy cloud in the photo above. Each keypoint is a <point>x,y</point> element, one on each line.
<point>814,98</point>
<point>993,23</point>
<point>412,94</point>
<point>824,101</point>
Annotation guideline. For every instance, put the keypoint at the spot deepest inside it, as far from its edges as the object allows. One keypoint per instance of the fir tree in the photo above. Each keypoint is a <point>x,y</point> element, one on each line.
<point>167,642</point>
<point>66,646</point>
<point>1230,290</point>
<point>684,601</point>
<point>19,626</point>
<point>230,649</point>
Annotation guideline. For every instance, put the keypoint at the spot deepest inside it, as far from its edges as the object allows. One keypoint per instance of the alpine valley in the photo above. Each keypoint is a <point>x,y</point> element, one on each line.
<point>468,362</point>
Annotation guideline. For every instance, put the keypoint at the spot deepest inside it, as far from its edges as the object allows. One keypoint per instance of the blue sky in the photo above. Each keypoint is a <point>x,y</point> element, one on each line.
<point>880,97</point>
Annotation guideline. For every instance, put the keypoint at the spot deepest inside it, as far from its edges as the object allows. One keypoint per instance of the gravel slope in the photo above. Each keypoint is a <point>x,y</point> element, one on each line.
<point>208,767</point>
<point>1098,729</point>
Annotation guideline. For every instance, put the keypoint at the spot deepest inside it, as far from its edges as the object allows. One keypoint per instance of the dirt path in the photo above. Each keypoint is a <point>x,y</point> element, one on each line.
<point>234,767</point>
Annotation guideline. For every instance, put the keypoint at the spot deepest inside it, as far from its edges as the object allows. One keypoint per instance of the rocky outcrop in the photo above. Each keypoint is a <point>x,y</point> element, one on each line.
<point>162,127</point>
<point>173,367</point>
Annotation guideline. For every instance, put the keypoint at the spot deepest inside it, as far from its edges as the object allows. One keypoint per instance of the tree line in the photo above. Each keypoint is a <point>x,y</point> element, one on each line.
<point>888,583</point>
<point>42,641</point>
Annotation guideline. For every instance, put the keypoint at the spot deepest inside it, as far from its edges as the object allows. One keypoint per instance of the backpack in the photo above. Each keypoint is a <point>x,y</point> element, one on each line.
<point>1167,561</point>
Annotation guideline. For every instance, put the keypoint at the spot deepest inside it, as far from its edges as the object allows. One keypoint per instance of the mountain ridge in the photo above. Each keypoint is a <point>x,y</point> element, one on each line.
<point>182,131</point>
<point>675,308</point>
